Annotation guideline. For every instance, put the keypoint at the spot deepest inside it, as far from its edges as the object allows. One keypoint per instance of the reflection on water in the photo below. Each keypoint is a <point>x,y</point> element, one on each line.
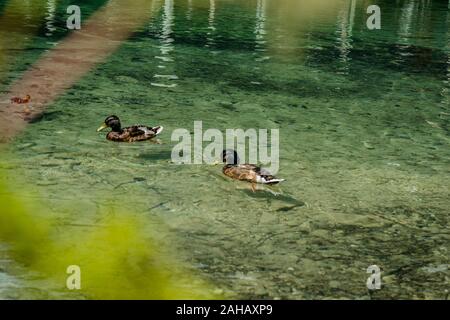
<point>446,88</point>
<point>363,119</point>
<point>50,17</point>
<point>189,10</point>
<point>409,11</point>
<point>261,34</point>
<point>155,4</point>
<point>210,42</point>
<point>260,28</point>
<point>166,48</point>
<point>345,31</point>
<point>27,9</point>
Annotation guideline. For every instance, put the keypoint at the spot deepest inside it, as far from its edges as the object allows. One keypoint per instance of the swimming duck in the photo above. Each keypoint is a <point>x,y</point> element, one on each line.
<point>128,134</point>
<point>19,100</point>
<point>246,172</point>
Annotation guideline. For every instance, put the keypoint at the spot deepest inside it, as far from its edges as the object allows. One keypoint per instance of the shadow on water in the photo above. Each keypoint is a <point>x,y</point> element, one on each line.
<point>135,180</point>
<point>275,195</point>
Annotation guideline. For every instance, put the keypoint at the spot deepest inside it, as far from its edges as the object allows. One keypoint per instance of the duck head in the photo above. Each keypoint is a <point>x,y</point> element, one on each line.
<point>112,122</point>
<point>230,157</point>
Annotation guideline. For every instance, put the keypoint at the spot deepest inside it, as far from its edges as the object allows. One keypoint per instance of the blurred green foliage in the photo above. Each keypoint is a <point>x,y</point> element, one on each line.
<point>117,258</point>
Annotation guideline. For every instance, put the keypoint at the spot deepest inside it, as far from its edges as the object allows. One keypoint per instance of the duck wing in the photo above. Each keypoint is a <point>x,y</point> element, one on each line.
<point>250,167</point>
<point>245,172</point>
<point>135,131</point>
<point>262,175</point>
<point>147,131</point>
<point>251,173</point>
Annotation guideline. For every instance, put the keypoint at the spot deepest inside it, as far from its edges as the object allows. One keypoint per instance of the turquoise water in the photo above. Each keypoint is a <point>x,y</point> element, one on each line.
<point>364,124</point>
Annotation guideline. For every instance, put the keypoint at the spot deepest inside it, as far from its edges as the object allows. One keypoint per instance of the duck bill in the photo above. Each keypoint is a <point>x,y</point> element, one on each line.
<point>102,127</point>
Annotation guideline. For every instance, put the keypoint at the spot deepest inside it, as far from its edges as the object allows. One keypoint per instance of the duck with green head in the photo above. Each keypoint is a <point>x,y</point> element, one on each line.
<point>128,134</point>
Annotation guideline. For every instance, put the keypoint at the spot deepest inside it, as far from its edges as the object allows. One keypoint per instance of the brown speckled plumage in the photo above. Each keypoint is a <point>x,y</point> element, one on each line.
<point>246,172</point>
<point>128,134</point>
<point>133,134</point>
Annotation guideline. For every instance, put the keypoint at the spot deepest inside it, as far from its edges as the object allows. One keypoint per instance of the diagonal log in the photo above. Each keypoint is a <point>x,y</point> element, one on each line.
<point>60,68</point>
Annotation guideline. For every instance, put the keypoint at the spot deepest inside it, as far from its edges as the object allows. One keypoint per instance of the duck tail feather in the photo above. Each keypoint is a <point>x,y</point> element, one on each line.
<point>158,129</point>
<point>270,180</point>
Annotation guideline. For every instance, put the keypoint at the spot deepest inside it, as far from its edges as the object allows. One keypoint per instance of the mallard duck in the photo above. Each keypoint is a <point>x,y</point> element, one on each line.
<point>128,134</point>
<point>246,172</point>
<point>20,100</point>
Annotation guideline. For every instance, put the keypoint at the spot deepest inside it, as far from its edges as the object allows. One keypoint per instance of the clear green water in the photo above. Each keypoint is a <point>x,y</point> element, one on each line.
<point>364,122</point>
